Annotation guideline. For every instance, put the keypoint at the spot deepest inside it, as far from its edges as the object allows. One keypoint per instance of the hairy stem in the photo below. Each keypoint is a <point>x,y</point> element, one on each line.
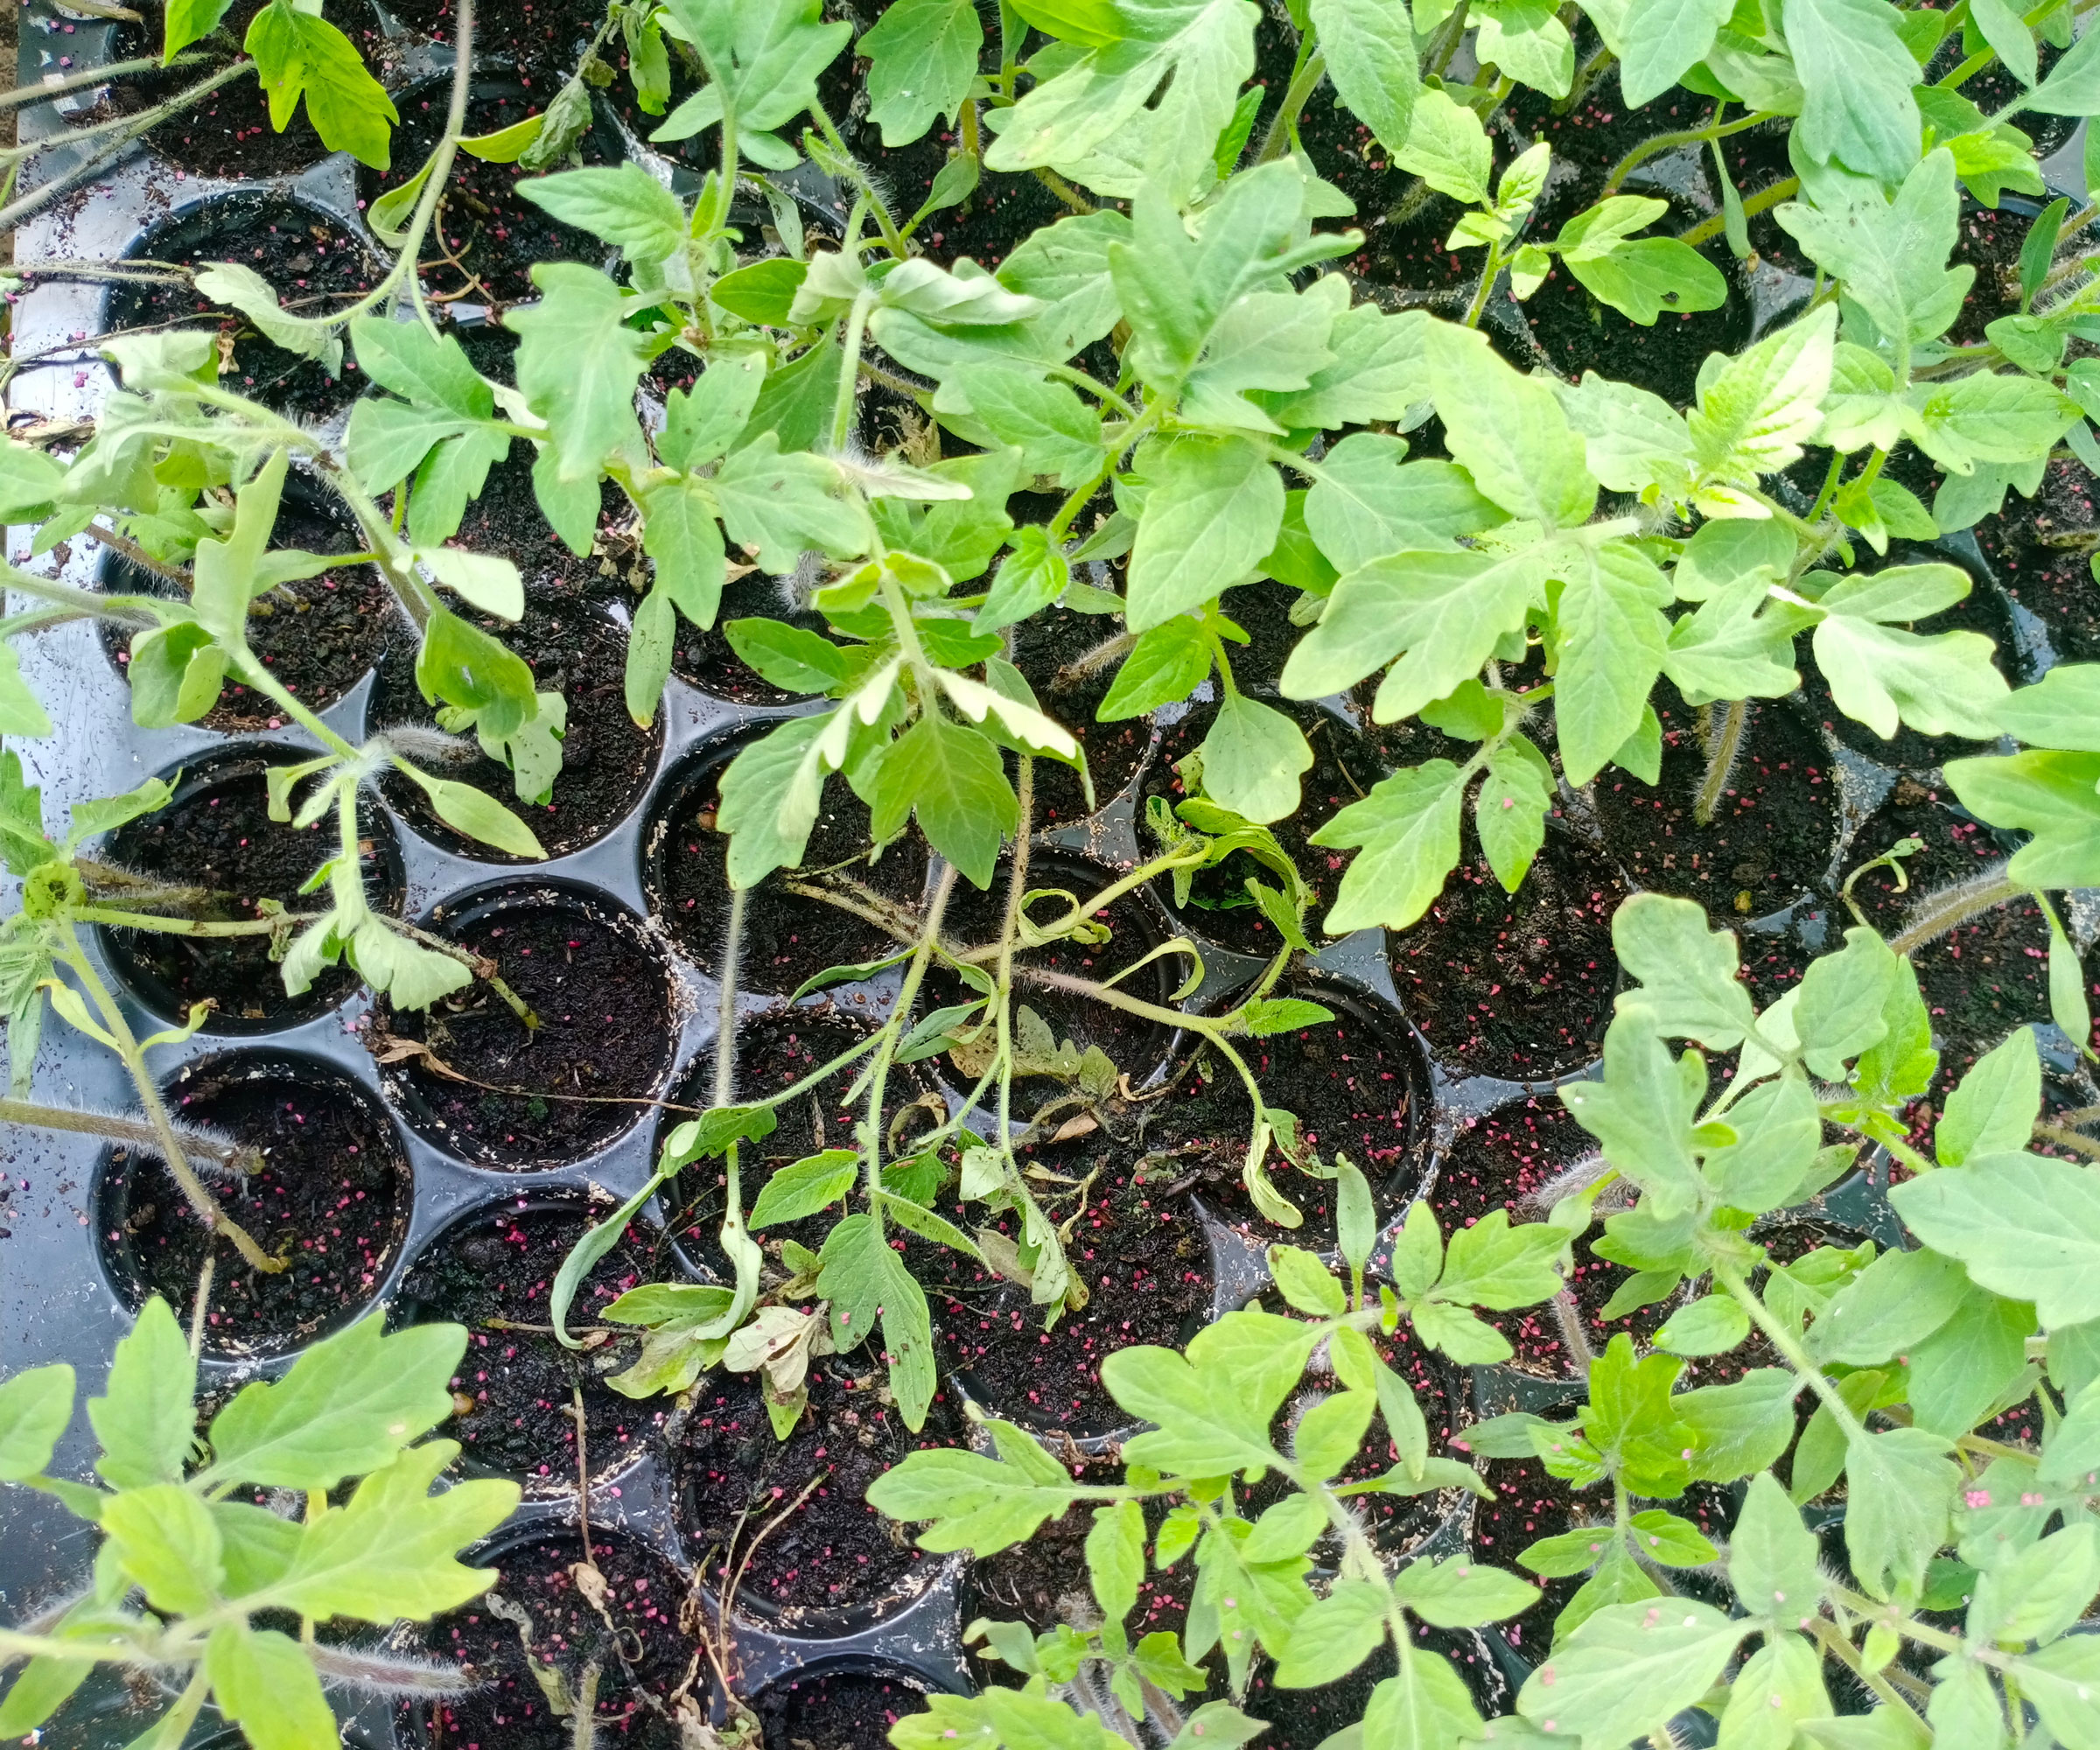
<point>1941,912</point>
<point>137,1132</point>
<point>1722,747</point>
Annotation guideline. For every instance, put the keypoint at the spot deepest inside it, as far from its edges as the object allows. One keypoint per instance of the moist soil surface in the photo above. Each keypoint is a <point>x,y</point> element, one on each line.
<point>606,1029</point>
<point>1500,1164</point>
<point>315,266</point>
<point>1530,1503</point>
<point>1774,823</point>
<point>2054,582</point>
<point>333,1195</point>
<point>1146,1267</point>
<point>1303,1720</point>
<point>489,234</point>
<point>1044,647</point>
<point>543,39</point>
<point>1987,974</point>
<point>228,134</point>
<point>731,1477</point>
<point>606,757</point>
<point>317,636</point>
<point>788,937</point>
<point>1516,985</point>
<point>217,836</point>
<point>837,1710</point>
<point>1344,767</point>
<point>492,1272</point>
<point>635,1640</point>
<point>1357,1085</point>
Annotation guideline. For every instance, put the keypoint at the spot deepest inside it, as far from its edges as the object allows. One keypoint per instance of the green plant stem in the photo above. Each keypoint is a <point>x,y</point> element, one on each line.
<point>1835,472</point>
<point>1943,912</point>
<point>1488,276</point>
<point>1064,191</point>
<point>1305,81</point>
<point>110,918</point>
<point>136,1131</point>
<point>121,131</point>
<point>133,1057</point>
<point>1789,1348</point>
<point>899,1020</point>
<point>1720,760</point>
<point>1085,908</point>
<point>1707,229</point>
<point>1686,137</point>
<point>848,378</point>
<point>1833,1641</point>
<point>22,94</point>
<point>884,222</point>
<point>1017,886</point>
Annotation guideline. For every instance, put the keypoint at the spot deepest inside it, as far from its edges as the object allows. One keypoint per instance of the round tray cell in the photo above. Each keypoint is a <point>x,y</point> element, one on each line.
<point>316,266</point>
<point>583,1077</point>
<point>1983,610</point>
<point>1508,1160</point>
<point>1985,974</point>
<point>492,1270</point>
<point>487,235</point>
<point>774,1050</point>
<point>649,1677</point>
<point>833,1564</point>
<point>1146,1266</point>
<point>789,936</point>
<point>1344,765</point>
<point>851,1709</point>
<point>1053,649</point>
<point>228,134</point>
<point>216,852</point>
<point>1136,1045</point>
<point>1514,984</point>
<point>2040,550</point>
<point>332,1196</point>
<point>1774,822</point>
<point>317,636</point>
<point>1358,1085</point>
<point>607,760</point>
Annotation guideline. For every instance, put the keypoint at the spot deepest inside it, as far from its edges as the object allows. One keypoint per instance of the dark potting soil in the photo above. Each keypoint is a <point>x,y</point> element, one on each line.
<point>1774,823</point>
<point>2053,581</point>
<point>1989,973</point>
<point>1503,1162</point>
<point>1147,1268</point>
<point>543,39</point>
<point>1137,1046</point>
<point>731,1477</point>
<point>489,234</point>
<point>1357,1084</point>
<point>1514,984</point>
<point>217,836</point>
<point>1990,240</point>
<point>315,265</point>
<point>604,1004</point>
<point>1980,611</point>
<point>836,1711</point>
<point>1577,333</point>
<point>606,757</point>
<point>492,1272</point>
<point>788,937</point>
<point>1344,767</point>
<point>1000,212</point>
<point>228,134</point>
<point>332,1196</point>
<point>634,1638</point>
<point>1043,1579</point>
<point>1045,645</point>
<point>774,1050</point>
<point>317,635</point>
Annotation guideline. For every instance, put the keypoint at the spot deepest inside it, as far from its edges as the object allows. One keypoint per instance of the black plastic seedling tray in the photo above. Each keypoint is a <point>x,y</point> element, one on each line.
<point>62,1272</point>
